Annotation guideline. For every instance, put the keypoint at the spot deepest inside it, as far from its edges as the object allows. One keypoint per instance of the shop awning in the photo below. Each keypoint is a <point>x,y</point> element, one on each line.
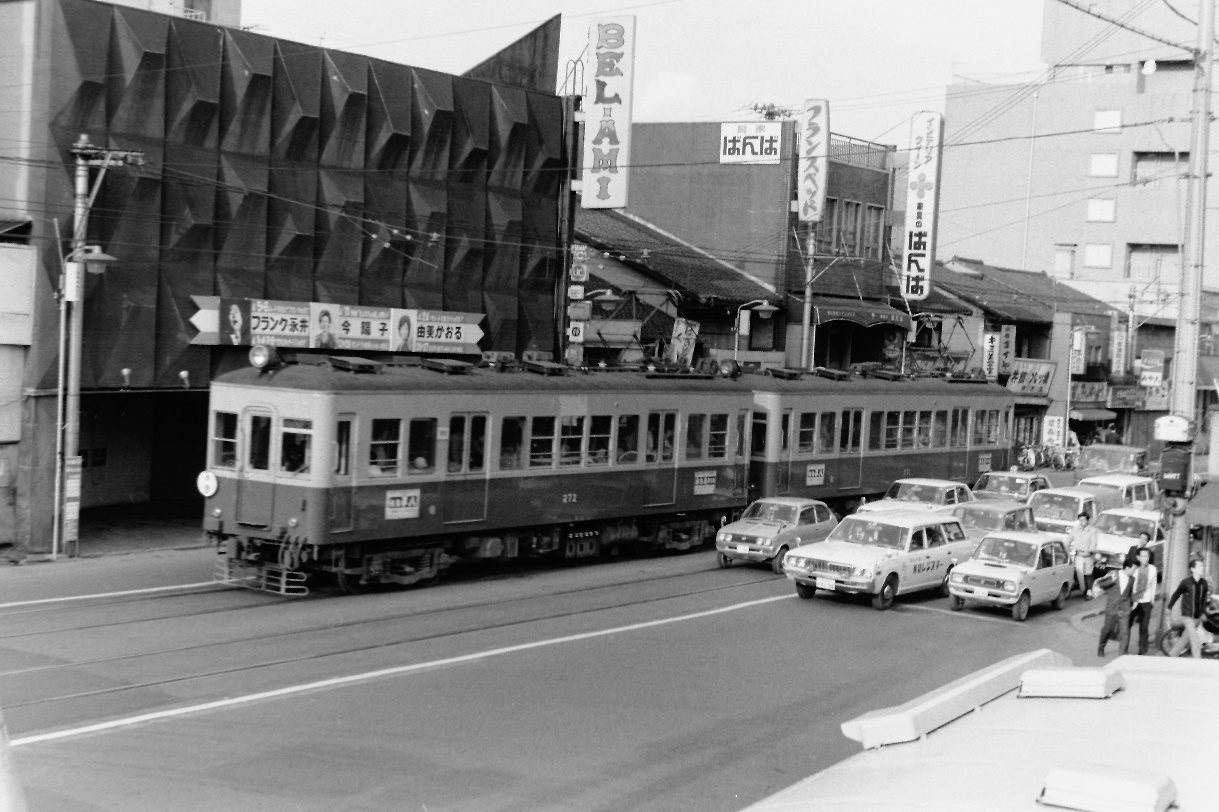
<point>868,314</point>
<point>1093,414</point>
<point>1032,400</point>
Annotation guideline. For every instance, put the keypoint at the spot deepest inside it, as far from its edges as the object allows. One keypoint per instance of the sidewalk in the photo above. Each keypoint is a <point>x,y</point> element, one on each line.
<point>1090,619</point>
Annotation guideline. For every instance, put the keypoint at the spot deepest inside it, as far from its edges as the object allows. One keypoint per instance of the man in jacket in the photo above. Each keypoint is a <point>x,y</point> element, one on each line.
<point>1118,587</point>
<point>1195,592</point>
<point>1144,593</point>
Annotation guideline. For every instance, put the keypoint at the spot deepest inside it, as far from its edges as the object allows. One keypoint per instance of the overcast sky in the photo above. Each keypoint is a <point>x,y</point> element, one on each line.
<point>877,61</point>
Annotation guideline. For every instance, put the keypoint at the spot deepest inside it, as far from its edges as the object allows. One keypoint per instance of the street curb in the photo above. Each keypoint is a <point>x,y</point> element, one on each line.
<point>1077,620</point>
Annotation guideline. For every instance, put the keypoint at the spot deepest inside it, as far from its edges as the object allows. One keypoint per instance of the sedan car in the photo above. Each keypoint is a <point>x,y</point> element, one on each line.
<point>980,518</point>
<point>770,527</point>
<point>1014,486</point>
<point>1015,570</point>
<point>930,494</point>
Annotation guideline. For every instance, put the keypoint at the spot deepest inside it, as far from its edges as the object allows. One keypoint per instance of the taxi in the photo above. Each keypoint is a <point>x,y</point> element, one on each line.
<point>1016,570</point>
<point>1014,486</point>
<point>1138,492</point>
<point>1118,530</point>
<point>929,494</point>
<point>1057,509</point>
<point>982,517</point>
<point>770,527</point>
<point>883,554</point>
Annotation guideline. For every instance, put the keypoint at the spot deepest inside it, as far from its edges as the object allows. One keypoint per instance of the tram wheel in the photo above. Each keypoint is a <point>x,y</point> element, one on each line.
<point>351,583</point>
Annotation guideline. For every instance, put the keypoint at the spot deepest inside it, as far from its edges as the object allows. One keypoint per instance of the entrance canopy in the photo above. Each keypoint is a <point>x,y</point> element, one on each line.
<point>1093,414</point>
<point>868,314</point>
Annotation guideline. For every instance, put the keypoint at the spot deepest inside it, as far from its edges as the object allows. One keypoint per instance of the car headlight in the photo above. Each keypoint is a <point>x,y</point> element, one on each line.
<point>790,560</point>
<point>957,578</point>
<point>861,572</point>
<point>1009,586</point>
<point>723,537</point>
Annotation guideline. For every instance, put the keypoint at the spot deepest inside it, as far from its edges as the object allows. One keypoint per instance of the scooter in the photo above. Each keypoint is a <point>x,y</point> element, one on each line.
<point>1209,632</point>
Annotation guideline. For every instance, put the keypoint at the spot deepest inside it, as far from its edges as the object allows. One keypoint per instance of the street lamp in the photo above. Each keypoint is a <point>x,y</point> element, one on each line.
<point>760,306</point>
<point>80,260</point>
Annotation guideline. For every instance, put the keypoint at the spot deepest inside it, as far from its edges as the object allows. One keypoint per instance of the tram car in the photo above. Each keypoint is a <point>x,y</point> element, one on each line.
<point>386,473</point>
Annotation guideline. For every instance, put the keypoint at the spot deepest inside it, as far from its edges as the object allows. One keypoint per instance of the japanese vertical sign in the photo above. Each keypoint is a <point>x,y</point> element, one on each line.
<point>922,203</point>
<point>1079,347</point>
<point>1151,368</point>
<point>814,160</point>
<point>1007,348</point>
<point>1117,351</point>
<point>990,355</point>
<point>607,112</point>
<point>751,142</point>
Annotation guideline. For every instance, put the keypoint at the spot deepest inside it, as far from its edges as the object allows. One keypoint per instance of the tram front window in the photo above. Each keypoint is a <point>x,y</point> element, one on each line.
<point>294,450</point>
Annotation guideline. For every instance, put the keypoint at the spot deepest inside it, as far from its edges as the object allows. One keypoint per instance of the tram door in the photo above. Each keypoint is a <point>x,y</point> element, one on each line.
<point>740,455</point>
<point>341,485</point>
<point>785,452</point>
<point>255,477</point>
<point>850,446</point>
<point>465,483</point>
<point>660,458</point>
<point>958,442</point>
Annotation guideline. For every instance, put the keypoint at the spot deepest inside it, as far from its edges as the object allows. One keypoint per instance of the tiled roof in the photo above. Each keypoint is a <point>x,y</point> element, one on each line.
<point>693,272</point>
<point>1014,295</point>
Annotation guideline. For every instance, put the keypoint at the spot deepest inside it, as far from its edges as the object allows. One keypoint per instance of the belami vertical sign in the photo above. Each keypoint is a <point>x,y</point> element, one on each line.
<point>607,112</point>
<point>922,203</point>
<point>814,160</point>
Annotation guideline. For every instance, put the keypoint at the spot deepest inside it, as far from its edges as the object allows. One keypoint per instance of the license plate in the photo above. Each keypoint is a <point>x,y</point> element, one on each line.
<point>742,548</point>
<point>825,583</point>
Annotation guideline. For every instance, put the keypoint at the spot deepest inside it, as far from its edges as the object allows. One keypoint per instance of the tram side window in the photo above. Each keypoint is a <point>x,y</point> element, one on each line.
<point>909,425</point>
<point>571,440</point>
<point>541,442</point>
<point>893,422</point>
<point>740,433</point>
<point>511,443</point>
<point>960,428</point>
<point>785,431</point>
<point>462,458</point>
<point>939,429</point>
<point>717,437</point>
<point>992,427</point>
<point>826,432</point>
<point>457,443</point>
<point>384,447</point>
<point>599,428</point>
<point>696,425</point>
<point>224,441</point>
<point>923,435</point>
<point>661,427</point>
<point>294,445</point>
<point>342,448</point>
<point>757,444</point>
<point>421,444</point>
<point>876,430</point>
<point>806,433</point>
<point>627,451</point>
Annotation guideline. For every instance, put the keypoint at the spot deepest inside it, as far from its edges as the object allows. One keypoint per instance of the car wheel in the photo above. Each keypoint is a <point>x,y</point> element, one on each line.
<point>956,603</point>
<point>805,590</point>
<point>1020,609</point>
<point>723,560</point>
<point>776,563</point>
<point>883,600</point>
<point>1061,600</point>
<point>944,585</point>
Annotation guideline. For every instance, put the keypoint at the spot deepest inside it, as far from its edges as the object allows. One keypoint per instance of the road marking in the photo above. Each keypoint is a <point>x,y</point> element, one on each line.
<point>96,596</point>
<point>291,690</point>
<point>961,615</point>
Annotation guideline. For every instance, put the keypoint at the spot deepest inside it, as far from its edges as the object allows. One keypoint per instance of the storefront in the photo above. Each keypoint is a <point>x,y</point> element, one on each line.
<point>846,332</point>
<point>1089,413</point>
<point>1030,380</point>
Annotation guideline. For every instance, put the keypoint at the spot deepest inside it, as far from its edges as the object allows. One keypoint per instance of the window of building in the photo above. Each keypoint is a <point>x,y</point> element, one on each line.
<point>1098,255</point>
<point>1153,262</point>
<point>762,333</point>
<point>1102,165</point>
<point>850,220</point>
<point>1151,168</point>
<point>826,228</point>
<point>873,231</point>
<point>1102,210</point>
<point>1064,261</point>
<point>1107,121</point>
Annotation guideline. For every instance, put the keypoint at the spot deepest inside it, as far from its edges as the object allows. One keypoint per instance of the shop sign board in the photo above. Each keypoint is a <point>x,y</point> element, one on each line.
<point>814,160</point>
<point>1117,352</point>
<point>1089,392</point>
<point>1155,399</point>
<point>751,142</point>
<point>1124,397</point>
<point>607,124</point>
<point>922,203</point>
<point>1007,348</point>
<point>990,355</point>
<point>1031,377</point>
<point>1052,433</point>
<point>1151,363</point>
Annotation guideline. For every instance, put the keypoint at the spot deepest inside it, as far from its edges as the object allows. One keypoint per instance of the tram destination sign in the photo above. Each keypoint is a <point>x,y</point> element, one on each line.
<point>326,326</point>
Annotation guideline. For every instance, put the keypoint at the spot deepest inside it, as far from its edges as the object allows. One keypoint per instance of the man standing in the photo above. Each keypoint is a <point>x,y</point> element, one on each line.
<point>1082,544</point>
<point>1118,587</point>
<point>1196,592</point>
<point>1144,596</point>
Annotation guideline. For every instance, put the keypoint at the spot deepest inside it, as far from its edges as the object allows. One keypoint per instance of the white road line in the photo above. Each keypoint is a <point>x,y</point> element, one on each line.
<point>964,615</point>
<point>371,675</point>
<point>98,595</point>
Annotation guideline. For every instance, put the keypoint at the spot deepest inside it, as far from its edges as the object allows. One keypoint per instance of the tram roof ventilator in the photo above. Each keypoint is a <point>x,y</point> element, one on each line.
<point>448,366</point>
<point>358,366</point>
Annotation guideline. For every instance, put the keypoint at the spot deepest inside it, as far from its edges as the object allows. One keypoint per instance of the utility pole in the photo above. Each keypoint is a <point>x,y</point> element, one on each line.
<point>1185,352</point>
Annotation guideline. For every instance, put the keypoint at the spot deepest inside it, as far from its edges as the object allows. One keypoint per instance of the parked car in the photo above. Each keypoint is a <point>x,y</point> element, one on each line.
<point>1015,570</point>
<point>1118,530</point>
<point>1115,459</point>
<point>1015,486</point>
<point>1136,491</point>
<point>930,494</point>
<point>770,527</point>
<point>883,554</point>
<point>980,518</point>
<point>1057,509</point>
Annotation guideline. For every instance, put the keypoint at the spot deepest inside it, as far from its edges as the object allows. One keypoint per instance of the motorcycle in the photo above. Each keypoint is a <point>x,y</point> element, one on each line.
<point>1209,632</point>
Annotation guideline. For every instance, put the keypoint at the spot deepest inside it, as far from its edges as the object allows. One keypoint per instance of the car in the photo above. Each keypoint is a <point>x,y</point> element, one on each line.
<point>1056,510</point>
<point>1105,459</point>
<point>1016,570</point>
<point>883,555</point>
<point>1015,486</point>
<point>770,527</point>
<point>930,494</point>
<point>982,517</point>
<point>1118,530</point>
<point>1138,492</point>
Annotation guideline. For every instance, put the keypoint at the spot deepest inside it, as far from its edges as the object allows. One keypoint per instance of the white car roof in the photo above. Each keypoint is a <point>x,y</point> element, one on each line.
<point>943,483</point>
<point>793,501</point>
<point>1153,515</point>
<point>1115,479</point>
<point>905,518</point>
<point>1069,490</point>
<point>992,506</point>
<point>1022,535</point>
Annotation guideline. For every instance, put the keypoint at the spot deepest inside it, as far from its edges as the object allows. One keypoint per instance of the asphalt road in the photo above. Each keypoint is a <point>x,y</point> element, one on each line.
<point>656,684</point>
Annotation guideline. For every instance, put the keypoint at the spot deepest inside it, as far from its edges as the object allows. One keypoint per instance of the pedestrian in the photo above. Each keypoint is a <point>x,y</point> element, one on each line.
<point>1144,594</point>
<point>1118,587</point>
<point>1082,544</point>
<point>1195,592</point>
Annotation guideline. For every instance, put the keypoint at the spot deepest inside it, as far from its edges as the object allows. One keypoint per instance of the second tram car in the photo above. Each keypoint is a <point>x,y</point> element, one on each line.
<point>383,473</point>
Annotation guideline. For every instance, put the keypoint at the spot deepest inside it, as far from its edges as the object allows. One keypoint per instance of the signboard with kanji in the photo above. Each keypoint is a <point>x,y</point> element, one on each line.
<point>1151,374</point>
<point>1031,377</point>
<point>922,204</point>
<point>990,355</point>
<point>814,150</point>
<point>1089,392</point>
<point>1007,348</point>
<point>608,96</point>
<point>751,142</point>
<point>1052,433</point>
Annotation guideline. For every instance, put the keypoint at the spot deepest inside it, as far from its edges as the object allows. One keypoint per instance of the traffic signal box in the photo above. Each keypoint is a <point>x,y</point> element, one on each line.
<point>1174,476</point>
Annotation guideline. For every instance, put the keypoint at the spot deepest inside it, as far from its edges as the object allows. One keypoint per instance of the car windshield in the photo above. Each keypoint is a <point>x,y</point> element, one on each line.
<point>770,512</point>
<point>859,530</point>
<point>1128,526</point>
<point>1054,506</point>
<point>913,492</point>
<point>1008,551</point>
<point>991,483</point>
<point>1110,459</point>
<point>977,518</point>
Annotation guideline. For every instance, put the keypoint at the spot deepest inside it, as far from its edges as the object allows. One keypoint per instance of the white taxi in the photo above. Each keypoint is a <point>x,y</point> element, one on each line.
<point>881,554</point>
<point>770,527</point>
<point>929,494</point>
<point>1016,570</point>
<point>1119,529</point>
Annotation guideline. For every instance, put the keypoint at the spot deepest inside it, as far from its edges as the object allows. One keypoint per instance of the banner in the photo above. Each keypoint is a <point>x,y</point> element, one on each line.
<point>814,160</point>
<point>922,203</point>
<point>752,142</point>
<point>685,335</point>
<point>607,116</point>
